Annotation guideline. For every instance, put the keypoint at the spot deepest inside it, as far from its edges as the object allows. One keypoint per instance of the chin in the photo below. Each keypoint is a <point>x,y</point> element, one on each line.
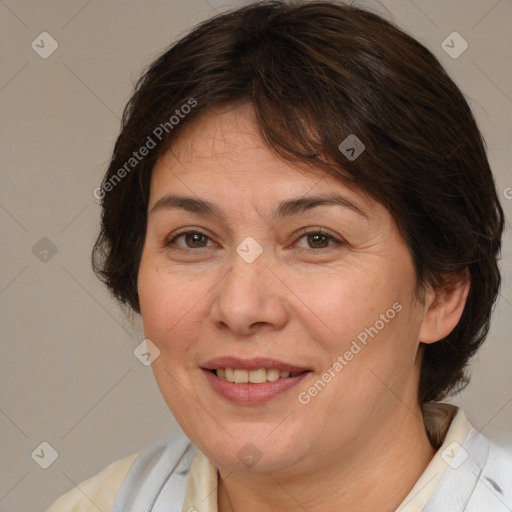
<point>250,459</point>
<point>252,449</point>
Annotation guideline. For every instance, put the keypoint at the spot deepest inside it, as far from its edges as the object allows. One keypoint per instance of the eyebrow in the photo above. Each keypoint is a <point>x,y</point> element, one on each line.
<point>287,208</point>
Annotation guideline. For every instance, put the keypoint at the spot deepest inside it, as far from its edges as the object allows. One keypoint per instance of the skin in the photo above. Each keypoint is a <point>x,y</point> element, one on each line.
<point>360,441</point>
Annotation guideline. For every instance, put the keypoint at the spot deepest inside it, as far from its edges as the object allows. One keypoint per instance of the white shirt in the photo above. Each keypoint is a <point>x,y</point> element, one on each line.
<point>203,479</point>
<point>176,477</point>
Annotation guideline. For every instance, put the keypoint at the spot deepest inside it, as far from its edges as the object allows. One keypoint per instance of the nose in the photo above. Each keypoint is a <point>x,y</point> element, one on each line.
<point>252,296</point>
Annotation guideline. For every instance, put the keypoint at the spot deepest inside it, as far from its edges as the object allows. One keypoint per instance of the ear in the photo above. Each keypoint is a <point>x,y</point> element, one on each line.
<point>444,306</point>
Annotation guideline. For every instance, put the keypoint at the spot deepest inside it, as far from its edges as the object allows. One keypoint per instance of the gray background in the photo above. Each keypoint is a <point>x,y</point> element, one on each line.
<point>68,373</point>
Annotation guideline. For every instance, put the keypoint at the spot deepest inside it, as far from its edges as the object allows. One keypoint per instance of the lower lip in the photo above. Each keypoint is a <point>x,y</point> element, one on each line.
<point>252,394</point>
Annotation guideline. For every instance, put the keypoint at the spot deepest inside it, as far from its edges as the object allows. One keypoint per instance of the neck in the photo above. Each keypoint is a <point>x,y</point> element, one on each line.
<point>378,475</point>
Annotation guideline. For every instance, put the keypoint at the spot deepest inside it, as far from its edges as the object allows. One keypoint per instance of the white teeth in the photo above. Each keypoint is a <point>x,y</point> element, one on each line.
<point>259,376</point>
<point>272,374</point>
<point>240,376</point>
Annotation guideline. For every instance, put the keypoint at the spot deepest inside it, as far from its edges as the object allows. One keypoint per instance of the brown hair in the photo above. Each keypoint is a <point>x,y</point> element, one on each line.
<point>316,72</point>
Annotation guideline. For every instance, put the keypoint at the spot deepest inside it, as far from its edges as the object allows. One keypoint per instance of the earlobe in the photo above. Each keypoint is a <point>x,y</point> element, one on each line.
<point>444,306</point>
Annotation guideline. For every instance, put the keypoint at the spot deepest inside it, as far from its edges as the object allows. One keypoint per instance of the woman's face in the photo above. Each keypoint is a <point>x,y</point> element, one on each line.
<point>275,280</point>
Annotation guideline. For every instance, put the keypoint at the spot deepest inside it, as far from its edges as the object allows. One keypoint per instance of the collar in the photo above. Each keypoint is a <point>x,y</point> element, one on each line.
<point>174,476</point>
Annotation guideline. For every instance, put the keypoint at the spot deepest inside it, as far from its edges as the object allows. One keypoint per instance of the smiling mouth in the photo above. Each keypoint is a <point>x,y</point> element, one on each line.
<point>259,376</point>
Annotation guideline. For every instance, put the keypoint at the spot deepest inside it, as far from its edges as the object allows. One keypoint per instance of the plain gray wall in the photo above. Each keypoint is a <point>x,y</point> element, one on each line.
<point>68,374</point>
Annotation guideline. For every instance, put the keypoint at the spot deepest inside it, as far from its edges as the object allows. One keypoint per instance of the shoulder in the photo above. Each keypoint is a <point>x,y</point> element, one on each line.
<point>97,492</point>
<point>133,482</point>
<point>492,491</point>
<point>477,475</point>
<point>158,477</point>
<point>498,469</point>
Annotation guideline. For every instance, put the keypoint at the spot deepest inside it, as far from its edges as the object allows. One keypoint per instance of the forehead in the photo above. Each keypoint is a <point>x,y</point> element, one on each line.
<point>229,137</point>
<point>223,151</point>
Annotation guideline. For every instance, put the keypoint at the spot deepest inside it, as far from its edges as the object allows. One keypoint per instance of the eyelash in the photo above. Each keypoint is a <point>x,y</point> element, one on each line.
<point>300,234</point>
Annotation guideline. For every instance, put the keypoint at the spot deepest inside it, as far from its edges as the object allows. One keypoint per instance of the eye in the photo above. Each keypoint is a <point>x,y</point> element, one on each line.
<point>193,239</point>
<point>319,239</point>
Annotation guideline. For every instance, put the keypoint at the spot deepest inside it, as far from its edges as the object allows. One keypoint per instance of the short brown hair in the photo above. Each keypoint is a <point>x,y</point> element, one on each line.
<point>316,72</point>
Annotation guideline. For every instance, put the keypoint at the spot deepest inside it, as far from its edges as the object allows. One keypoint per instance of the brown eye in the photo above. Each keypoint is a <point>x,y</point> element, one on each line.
<point>318,239</point>
<point>193,240</point>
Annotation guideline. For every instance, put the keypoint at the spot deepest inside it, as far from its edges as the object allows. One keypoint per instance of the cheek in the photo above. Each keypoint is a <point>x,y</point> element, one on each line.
<point>169,310</point>
<point>346,302</point>
<point>365,317</point>
<point>169,305</point>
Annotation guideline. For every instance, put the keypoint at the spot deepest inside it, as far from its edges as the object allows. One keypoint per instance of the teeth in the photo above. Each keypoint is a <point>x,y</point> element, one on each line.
<point>272,374</point>
<point>259,376</point>
<point>240,376</point>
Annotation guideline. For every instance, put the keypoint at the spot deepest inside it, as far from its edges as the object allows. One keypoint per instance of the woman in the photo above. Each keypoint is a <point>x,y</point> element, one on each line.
<point>300,207</point>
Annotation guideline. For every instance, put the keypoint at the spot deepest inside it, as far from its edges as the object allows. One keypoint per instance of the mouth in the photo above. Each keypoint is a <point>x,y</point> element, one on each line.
<point>254,381</point>
<point>242,376</point>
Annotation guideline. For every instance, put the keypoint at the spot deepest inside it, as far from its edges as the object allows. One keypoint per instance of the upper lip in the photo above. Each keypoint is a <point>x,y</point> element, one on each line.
<point>251,364</point>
